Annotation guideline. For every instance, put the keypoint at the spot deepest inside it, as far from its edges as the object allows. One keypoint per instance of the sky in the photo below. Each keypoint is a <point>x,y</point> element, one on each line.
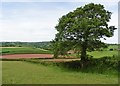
<point>35,21</point>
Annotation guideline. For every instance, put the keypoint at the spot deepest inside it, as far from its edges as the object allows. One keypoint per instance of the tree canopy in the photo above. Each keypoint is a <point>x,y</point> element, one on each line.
<point>83,29</point>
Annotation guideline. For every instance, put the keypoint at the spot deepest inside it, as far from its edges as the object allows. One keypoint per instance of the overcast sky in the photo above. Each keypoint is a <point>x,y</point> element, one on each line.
<point>35,21</point>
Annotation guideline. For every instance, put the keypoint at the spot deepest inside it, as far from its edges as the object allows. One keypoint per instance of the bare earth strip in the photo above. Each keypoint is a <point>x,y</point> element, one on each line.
<point>15,56</point>
<point>48,56</point>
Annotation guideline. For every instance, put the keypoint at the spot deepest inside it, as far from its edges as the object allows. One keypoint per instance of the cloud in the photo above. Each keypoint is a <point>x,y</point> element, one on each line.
<point>36,21</point>
<point>58,0</point>
<point>26,31</point>
<point>33,24</point>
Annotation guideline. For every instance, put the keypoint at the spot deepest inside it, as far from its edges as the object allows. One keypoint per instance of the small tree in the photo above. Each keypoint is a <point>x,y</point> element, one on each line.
<point>83,29</point>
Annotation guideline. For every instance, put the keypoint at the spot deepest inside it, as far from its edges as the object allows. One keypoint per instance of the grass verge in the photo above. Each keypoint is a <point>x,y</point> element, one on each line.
<point>19,72</point>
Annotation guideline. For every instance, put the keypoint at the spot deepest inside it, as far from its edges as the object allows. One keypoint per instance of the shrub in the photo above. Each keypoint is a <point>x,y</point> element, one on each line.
<point>111,49</point>
<point>100,65</point>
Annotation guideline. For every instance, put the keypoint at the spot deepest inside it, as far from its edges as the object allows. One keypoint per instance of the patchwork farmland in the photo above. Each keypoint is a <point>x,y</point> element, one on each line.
<point>17,60</point>
<point>78,52</point>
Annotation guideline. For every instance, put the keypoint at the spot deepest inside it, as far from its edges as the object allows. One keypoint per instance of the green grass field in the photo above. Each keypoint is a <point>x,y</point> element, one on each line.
<point>99,54</point>
<point>17,72</point>
<point>105,52</point>
<point>24,50</point>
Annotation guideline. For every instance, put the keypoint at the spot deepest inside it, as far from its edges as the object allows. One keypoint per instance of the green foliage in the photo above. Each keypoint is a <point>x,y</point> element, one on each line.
<point>105,65</point>
<point>84,27</point>
<point>58,48</point>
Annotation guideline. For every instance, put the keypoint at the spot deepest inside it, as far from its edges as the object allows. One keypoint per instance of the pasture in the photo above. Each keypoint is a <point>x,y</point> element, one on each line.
<point>23,50</point>
<point>99,54</point>
<point>33,71</point>
<point>17,72</point>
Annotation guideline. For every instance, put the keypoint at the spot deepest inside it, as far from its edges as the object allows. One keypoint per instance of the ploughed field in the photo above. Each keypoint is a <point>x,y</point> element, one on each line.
<point>27,52</point>
<point>24,52</point>
<point>15,56</point>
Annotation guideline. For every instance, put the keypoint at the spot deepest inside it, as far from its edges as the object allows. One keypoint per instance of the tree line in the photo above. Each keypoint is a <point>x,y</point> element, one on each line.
<point>44,45</point>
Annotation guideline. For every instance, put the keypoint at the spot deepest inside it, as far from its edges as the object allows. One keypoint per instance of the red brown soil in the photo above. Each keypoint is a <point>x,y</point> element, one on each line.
<point>48,56</point>
<point>15,56</point>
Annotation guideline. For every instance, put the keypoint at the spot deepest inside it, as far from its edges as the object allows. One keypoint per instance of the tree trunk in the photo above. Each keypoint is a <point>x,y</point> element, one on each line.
<point>83,53</point>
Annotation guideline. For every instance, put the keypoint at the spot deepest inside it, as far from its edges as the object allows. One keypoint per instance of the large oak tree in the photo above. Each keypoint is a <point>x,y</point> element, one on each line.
<point>83,30</point>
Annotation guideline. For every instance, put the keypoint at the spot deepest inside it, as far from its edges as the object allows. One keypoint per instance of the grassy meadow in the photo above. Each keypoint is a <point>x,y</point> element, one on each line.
<point>17,72</point>
<point>23,50</point>
<point>99,54</point>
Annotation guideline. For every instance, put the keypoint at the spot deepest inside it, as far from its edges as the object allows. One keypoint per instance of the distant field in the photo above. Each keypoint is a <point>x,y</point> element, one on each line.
<point>23,50</point>
<point>105,52</point>
<point>99,54</point>
<point>112,47</point>
<point>17,72</point>
<point>29,50</point>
